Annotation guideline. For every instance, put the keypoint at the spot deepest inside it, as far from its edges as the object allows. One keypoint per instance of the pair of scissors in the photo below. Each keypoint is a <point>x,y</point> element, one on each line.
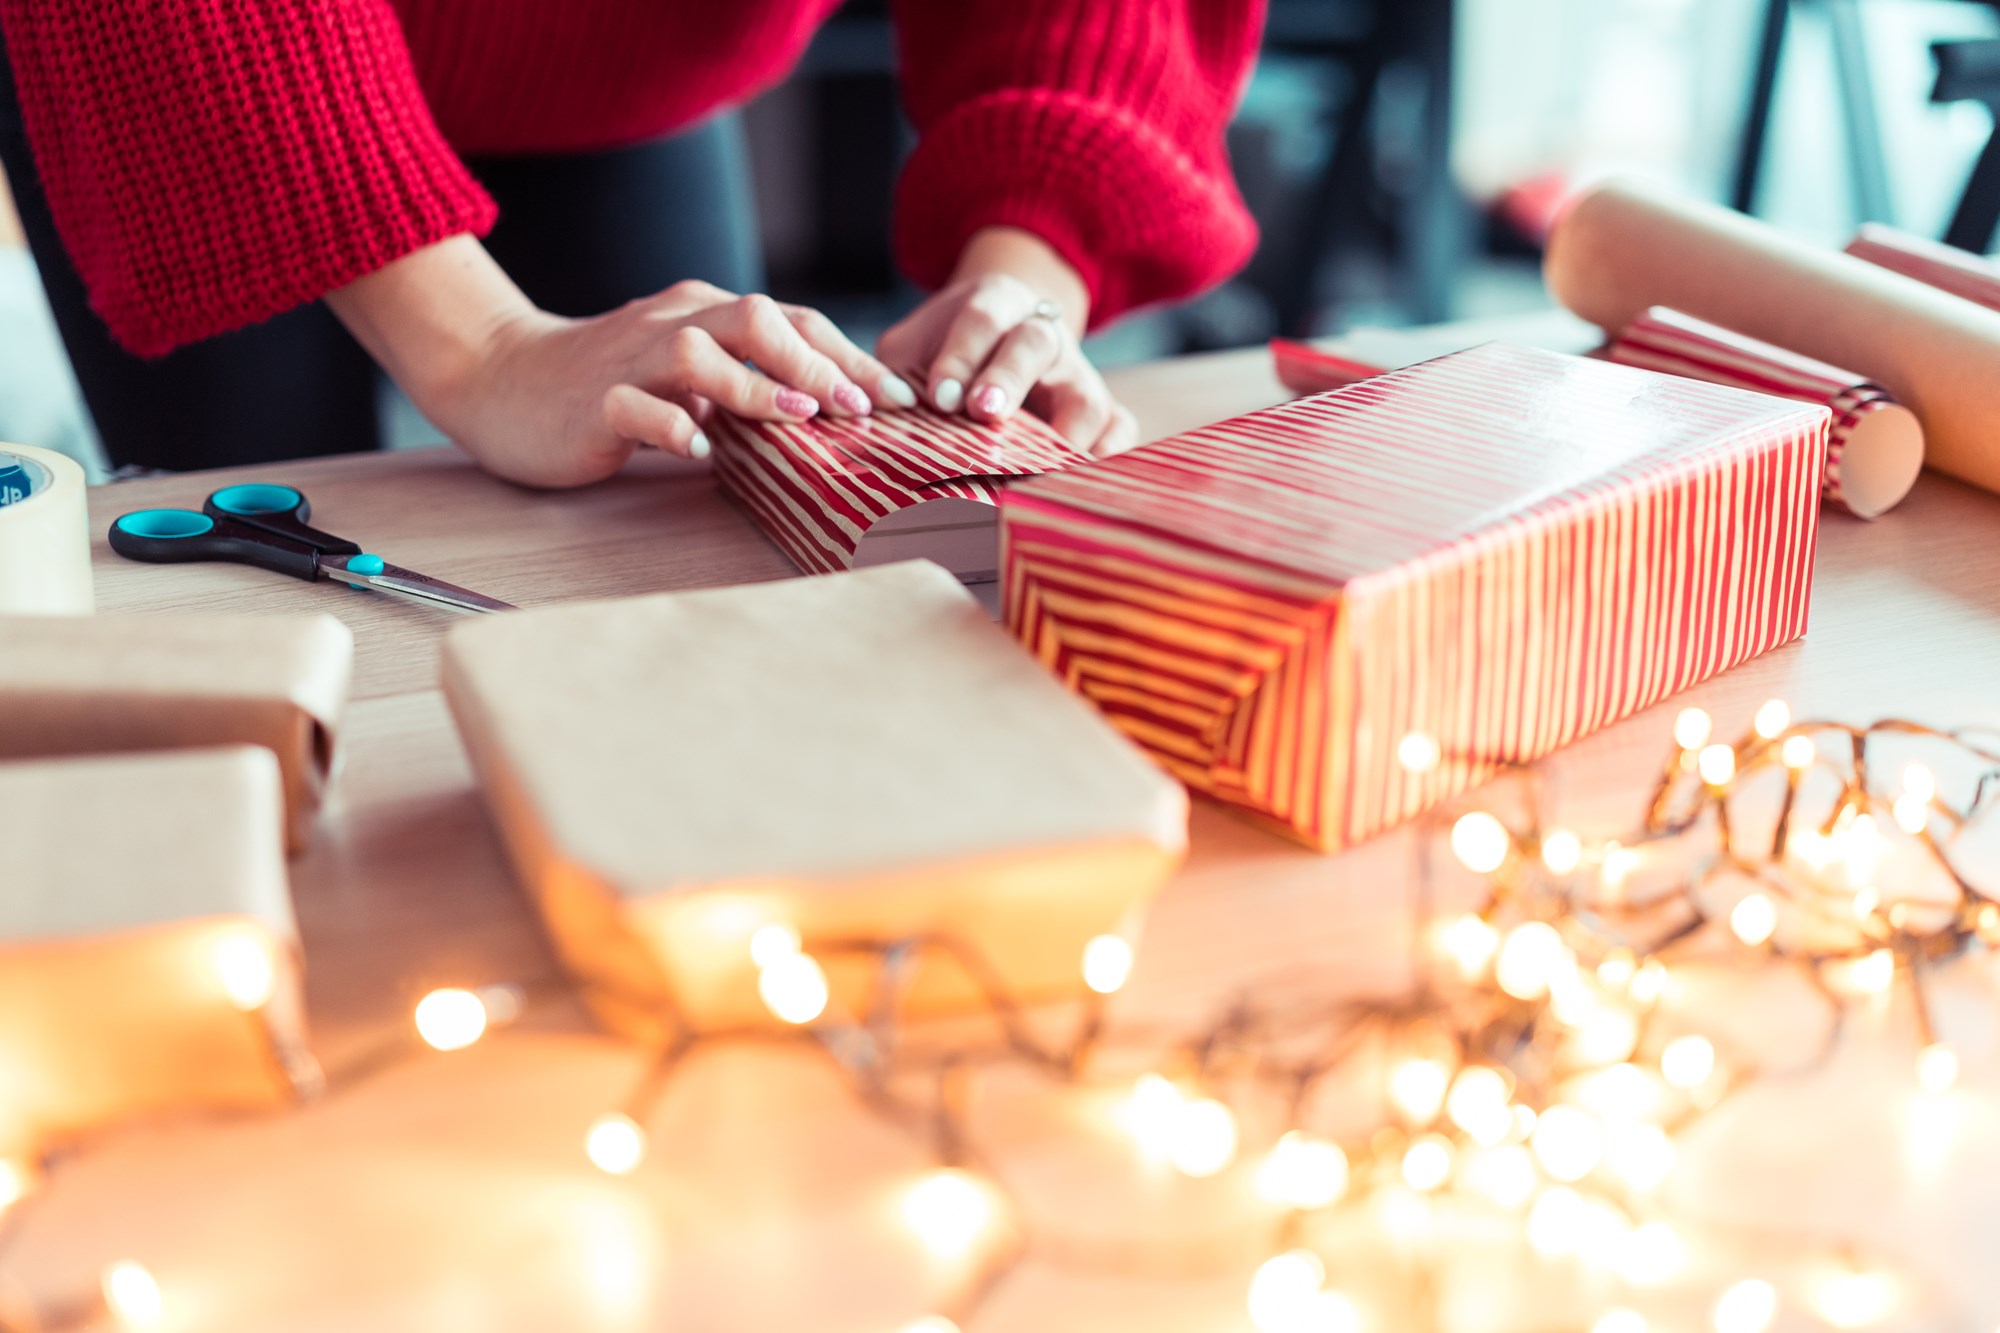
<point>266,526</point>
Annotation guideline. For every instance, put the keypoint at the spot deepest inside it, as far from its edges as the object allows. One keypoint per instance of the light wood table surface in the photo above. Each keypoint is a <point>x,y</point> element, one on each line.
<point>450,1192</point>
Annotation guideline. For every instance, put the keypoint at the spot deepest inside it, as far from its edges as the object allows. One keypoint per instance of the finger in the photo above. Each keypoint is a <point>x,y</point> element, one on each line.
<point>689,363</point>
<point>633,414</point>
<point>986,317</point>
<point>1079,415</point>
<point>883,385</point>
<point>1121,435</point>
<point>754,328</point>
<point>1028,352</point>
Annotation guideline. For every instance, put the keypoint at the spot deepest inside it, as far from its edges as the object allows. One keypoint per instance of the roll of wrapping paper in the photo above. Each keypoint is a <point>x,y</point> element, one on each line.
<point>1932,263</point>
<point>1621,249</point>
<point>44,534</point>
<point>1875,448</point>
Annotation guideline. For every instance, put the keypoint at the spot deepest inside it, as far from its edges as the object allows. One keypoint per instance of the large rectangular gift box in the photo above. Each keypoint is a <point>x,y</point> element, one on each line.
<point>864,757</point>
<point>107,684</point>
<point>1496,552</point>
<point>148,957</point>
<point>849,493</point>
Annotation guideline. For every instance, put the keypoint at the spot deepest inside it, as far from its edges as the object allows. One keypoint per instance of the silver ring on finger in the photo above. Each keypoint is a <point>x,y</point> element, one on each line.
<point>1049,310</point>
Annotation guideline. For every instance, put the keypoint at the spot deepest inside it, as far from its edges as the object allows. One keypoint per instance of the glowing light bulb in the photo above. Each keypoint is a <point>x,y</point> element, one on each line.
<point>1608,1036</point>
<point>1107,962</point>
<point>1477,1104</point>
<point>132,1295</point>
<point>1716,764</point>
<point>1283,1289</point>
<point>772,943</point>
<point>1772,719</point>
<point>1558,1222</point>
<point>13,1183</point>
<point>1747,1307</point>
<point>1649,983</point>
<point>1919,782</point>
<point>1505,1175</point>
<point>1617,867</point>
<point>1652,1254</point>
<point>242,963</point>
<point>1754,919</point>
<point>793,988</point>
<point>1562,851</point>
<point>1480,842</point>
<point>1418,753</point>
<point>1471,943</point>
<point>948,1211</point>
<point>1621,1092</point>
<point>930,1323</point>
<point>1640,1155</point>
<point>1912,812</point>
<point>1417,1087</point>
<point>1427,1162</point>
<point>1152,1114</point>
<point>1687,1062</point>
<point>450,1019</point>
<point>1854,1300</point>
<point>1524,1123</point>
<point>1533,955</point>
<point>1692,728</point>
<point>1798,753</point>
<point>1568,1143</point>
<point>1937,1067</point>
<point>1619,1319</point>
<point>1617,968</point>
<point>615,1144</point>
<point>1303,1172</point>
<point>1874,973</point>
<point>1204,1138</point>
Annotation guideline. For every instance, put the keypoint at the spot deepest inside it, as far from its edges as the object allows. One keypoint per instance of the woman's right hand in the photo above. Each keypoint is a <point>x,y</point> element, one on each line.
<point>548,401</point>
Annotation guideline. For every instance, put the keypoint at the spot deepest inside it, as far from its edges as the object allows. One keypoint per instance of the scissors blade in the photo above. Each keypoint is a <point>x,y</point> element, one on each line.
<point>409,583</point>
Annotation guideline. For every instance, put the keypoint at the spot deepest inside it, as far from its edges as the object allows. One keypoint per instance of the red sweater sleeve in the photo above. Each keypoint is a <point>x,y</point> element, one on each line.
<point>1096,124</point>
<point>211,163</point>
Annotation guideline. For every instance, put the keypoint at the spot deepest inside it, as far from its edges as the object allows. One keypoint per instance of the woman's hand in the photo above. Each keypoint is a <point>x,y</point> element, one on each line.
<point>989,343</point>
<point>548,401</point>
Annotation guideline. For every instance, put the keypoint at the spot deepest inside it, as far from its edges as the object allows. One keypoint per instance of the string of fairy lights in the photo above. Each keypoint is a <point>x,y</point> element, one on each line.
<point>1533,1077</point>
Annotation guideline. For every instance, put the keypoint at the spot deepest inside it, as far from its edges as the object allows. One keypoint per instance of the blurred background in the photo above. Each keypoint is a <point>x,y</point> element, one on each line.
<point>1400,156</point>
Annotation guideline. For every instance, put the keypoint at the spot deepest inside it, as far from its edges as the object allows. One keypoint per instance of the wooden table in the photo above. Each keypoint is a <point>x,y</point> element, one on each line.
<point>449,1192</point>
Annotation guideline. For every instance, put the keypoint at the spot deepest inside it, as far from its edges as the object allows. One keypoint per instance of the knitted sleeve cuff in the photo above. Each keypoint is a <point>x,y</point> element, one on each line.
<point>1139,217</point>
<point>214,164</point>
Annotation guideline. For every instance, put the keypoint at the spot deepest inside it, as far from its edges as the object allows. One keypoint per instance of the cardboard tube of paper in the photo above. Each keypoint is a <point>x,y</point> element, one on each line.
<point>44,535</point>
<point>1622,248</point>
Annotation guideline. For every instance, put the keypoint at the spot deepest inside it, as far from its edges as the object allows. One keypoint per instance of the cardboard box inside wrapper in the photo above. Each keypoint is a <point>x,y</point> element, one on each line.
<point>117,684</point>
<point>858,757</point>
<point>1499,551</point>
<point>148,957</point>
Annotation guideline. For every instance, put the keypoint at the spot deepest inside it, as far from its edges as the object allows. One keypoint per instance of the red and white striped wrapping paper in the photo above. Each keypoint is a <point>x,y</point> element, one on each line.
<point>1502,550</point>
<point>1875,446</point>
<point>817,488</point>
<point>1303,368</point>
<point>1932,263</point>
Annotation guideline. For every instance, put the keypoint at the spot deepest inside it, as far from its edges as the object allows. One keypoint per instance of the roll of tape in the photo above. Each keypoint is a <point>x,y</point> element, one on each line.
<point>44,534</point>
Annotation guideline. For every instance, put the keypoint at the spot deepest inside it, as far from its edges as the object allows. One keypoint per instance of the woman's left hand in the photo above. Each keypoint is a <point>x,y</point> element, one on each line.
<point>1002,335</point>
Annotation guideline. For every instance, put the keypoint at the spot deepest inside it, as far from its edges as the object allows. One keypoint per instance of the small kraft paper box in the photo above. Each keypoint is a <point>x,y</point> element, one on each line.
<point>148,957</point>
<point>858,757</point>
<point>1488,555</point>
<point>111,684</point>
<point>836,494</point>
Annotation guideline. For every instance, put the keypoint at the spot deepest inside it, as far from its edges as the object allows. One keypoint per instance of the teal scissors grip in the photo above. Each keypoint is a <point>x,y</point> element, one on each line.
<point>281,511</point>
<point>173,536</point>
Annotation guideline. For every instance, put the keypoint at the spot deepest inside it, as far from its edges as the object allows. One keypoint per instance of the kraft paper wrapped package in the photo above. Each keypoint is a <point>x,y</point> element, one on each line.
<point>148,957</point>
<point>107,684</point>
<point>863,756</point>
<point>1499,552</point>
<point>837,494</point>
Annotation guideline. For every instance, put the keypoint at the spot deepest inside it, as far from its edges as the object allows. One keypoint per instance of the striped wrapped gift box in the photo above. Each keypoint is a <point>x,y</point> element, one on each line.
<point>1303,368</point>
<point>1932,263</point>
<point>1875,448</point>
<point>1500,551</point>
<point>838,494</point>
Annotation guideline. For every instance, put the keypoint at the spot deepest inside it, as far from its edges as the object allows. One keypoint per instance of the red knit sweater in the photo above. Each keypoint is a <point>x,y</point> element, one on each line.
<point>211,163</point>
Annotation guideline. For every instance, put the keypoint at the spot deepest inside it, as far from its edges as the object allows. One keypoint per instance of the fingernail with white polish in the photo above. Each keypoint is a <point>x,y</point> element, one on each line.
<point>697,446</point>
<point>898,391</point>
<point>949,395</point>
<point>851,399</point>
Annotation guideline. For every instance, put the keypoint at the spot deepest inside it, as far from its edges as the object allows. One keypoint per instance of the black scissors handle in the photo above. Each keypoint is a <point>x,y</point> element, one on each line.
<point>281,511</point>
<point>169,536</point>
